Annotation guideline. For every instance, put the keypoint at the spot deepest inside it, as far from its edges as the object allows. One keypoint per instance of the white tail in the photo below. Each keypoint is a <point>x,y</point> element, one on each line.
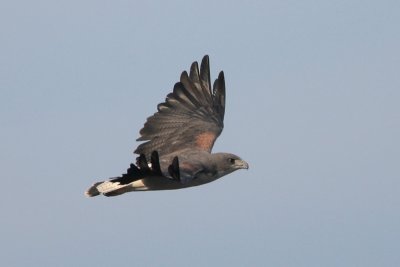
<point>104,188</point>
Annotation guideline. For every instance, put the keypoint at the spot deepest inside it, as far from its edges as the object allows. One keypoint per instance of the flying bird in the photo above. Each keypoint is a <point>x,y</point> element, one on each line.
<point>178,140</point>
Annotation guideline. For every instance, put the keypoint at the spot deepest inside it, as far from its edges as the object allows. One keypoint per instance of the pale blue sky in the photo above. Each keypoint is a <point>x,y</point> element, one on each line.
<point>313,104</point>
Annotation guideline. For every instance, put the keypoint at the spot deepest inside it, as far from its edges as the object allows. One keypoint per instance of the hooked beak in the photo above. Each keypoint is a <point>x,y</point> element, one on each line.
<point>241,164</point>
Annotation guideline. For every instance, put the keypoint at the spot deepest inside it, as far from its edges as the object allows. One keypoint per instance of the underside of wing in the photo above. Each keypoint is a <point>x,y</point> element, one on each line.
<point>191,116</point>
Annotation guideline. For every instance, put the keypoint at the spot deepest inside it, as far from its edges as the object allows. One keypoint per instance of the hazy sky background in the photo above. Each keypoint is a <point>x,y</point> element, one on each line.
<point>313,104</point>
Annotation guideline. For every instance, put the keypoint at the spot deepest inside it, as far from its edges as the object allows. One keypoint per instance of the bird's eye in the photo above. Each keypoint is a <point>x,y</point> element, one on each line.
<point>232,161</point>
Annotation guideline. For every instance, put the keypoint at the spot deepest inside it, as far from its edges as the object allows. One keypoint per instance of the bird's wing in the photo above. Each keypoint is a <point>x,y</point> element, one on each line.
<point>191,116</point>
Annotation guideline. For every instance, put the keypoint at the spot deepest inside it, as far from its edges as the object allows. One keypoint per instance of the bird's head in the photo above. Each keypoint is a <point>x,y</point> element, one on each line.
<point>227,163</point>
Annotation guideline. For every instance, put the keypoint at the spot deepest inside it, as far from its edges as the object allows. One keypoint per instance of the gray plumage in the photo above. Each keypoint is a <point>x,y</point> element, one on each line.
<point>178,140</point>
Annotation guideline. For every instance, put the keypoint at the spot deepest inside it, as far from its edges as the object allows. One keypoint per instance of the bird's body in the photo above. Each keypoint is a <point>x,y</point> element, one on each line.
<point>193,171</point>
<point>196,168</point>
<point>179,138</point>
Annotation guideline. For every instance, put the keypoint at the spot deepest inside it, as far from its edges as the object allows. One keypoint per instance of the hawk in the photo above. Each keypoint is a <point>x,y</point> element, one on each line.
<point>178,139</point>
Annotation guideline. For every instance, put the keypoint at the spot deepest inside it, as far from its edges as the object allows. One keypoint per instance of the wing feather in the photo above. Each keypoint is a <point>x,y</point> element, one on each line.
<point>191,116</point>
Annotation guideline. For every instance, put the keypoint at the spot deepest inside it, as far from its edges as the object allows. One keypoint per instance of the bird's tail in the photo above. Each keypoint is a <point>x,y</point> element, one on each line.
<point>122,184</point>
<point>132,179</point>
<point>107,188</point>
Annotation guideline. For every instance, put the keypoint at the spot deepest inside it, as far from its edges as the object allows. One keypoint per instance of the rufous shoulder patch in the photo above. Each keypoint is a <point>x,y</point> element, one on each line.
<point>206,140</point>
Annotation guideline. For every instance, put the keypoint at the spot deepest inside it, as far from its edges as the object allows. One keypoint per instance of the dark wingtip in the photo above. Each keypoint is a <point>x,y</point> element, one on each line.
<point>141,162</point>
<point>194,66</point>
<point>173,169</point>
<point>219,94</point>
<point>184,76</point>
<point>221,75</point>
<point>194,72</point>
<point>219,87</point>
<point>155,163</point>
<point>205,66</point>
<point>206,59</point>
<point>205,73</point>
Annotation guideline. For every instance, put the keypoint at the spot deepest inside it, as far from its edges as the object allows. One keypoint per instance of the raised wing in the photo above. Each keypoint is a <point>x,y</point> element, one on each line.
<point>191,117</point>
